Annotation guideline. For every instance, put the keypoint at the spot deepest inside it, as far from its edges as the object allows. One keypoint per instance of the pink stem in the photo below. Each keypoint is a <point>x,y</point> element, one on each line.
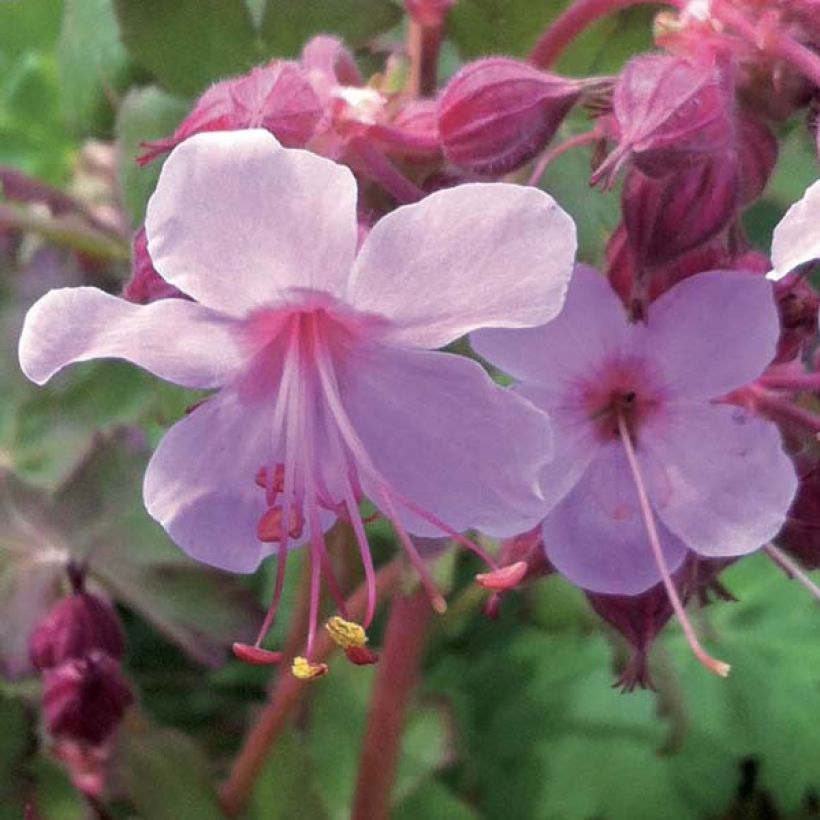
<point>777,408</point>
<point>553,154</point>
<point>791,568</point>
<point>796,382</point>
<point>712,664</point>
<point>396,678</point>
<point>579,16</point>
<point>376,166</point>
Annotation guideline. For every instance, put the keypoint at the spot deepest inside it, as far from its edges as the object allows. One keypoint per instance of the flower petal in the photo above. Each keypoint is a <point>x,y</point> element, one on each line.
<point>200,482</point>
<point>478,255</point>
<point>557,353</point>
<point>796,239</point>
<point>236,221</point>
<point>174,339</point>
<point>444,436</point>
<point>726,484</point>
<point>711,333</point>
<point>596,536</point>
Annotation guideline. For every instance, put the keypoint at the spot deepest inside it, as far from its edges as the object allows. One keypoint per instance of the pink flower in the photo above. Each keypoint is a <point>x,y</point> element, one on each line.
<point>329,387</point>
<point>638,424</point>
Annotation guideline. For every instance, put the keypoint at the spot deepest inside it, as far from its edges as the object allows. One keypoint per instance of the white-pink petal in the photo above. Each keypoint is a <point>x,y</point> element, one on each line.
<point>796,238</point>
<point>710,333</point>
<point>175,339</point>
<point>444,436</point>
<point>478,255</point>
<point>237,222</point>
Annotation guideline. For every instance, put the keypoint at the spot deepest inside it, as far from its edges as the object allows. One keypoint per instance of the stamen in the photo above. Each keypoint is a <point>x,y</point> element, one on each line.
<point>303,669</point>
<point>255,655</point>
<point>351,637</point>
<point>791,569</point>
<point>504,578</point>
<point>270,527</point>
<point>713,665</point>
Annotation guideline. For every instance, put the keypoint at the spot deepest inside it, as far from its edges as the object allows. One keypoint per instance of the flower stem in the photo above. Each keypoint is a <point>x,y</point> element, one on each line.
<point>286,696</point>
<point>549,156</point>
<point>712,664</point>
<point>579,16</point>
<point>423,47</point>
<point>796,382</point>
<point>777,408</point>
<point>378,168</point>
<point>395,681</point>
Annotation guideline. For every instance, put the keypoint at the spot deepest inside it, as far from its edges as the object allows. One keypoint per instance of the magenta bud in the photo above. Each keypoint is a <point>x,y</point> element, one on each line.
<point>429,12</point>
<point>498,113</point>
<point>84,699</point>
<point>75,626</point>
<point>666,112</point>
<point>145,284</point>
<point>667,216</point>
<point>798,304</point>
<point>278,97</point>
<point>757,155</point>
<point>800,536</point>
<point>412,133</point>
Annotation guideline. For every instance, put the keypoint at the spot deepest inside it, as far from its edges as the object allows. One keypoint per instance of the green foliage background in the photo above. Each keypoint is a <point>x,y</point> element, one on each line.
<point>515,718</point>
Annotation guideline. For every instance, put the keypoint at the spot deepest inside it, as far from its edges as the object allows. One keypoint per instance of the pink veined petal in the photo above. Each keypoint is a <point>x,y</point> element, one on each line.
<point>478,255</point>
<point>711,333</point>
<point>175,339</point>
<point>237,221</point>
<point>596,536</point>
<point>199,484</point>
<point>590,328</point>
<point>727,484</point>
<point>444,436</point>
<point>796,239</point>
<point>576,442</point>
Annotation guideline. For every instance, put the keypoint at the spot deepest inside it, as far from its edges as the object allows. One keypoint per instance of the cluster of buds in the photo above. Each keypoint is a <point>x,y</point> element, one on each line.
<point>78,648</point>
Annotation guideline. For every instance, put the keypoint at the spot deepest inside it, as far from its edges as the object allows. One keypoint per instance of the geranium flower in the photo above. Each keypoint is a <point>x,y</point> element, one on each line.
<point>329,391</point>
<point>644,444</point>
<point>796,238</point>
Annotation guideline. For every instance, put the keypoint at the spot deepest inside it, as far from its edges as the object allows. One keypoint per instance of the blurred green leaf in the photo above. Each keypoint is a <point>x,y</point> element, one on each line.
<point>167,776</point>
<point>92,64</point>
<point>57,799</point>
<point>286,788</point>
<point>434,801</point>
<point>288,24</point>
<point>14,746</point>
<point>33,24</point>
<point>188,44</point>
<point>145,114</point>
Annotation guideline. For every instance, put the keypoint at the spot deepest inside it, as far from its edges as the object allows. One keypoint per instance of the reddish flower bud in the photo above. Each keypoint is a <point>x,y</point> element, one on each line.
<point>757,155</point>
<point>498,113</point>
<point>74,627</point>
<point>667,216</point>
<point>429,12</point>
<point>800,536</point>
<point>667,111</point>
<point>278,97</point>
<point>84,699</point>
<point>145,284</point>
<point>798,304</point>
<point>413,131</point>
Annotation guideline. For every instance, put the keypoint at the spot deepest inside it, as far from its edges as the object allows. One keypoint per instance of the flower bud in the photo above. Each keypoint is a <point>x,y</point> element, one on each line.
<point>800,536</point>
<point>667,112</point>
<point>669,215</point>
<point>757,155</point>
<point>75,626</point>
<point>84,699</point>
<point>498,113</point>
<point>278,97</point>
<point>145,284</point>
<point>798,304</point>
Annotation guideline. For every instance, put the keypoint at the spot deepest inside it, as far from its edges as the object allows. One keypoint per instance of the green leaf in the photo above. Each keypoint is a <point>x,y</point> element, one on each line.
<point>433,801</point>
<point>145,114</point>
<point>288,24</point>
<point>188,44</point>
<point>166,776</point>
<point>92,64</point>
<point>14,746</point>
<point>286,787</point>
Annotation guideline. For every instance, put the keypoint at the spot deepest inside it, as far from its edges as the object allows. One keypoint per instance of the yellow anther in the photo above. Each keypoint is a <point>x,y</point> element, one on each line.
<point>303,669</point>
<point>346,634</point>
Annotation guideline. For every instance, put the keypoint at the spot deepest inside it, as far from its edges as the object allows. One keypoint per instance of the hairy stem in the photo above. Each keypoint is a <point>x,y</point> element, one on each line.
<point>395,681</point>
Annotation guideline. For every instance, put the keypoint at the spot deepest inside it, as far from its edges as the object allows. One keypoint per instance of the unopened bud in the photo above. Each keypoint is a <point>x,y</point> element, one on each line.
<point>498,113</point>
<point>84,699</point>
<point>74,627</point>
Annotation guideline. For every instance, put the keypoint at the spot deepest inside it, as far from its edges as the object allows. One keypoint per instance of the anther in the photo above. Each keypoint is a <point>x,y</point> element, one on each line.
<point>351,637</point>
<point>255,655</point>
<point>303,669</point>
<point>504,578</point>
<point>270,529</point>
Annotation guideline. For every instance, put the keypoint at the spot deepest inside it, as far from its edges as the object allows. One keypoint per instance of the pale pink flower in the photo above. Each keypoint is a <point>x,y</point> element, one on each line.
<point>796,239</point>
<point>716,478</point>
<point>329,387</point>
